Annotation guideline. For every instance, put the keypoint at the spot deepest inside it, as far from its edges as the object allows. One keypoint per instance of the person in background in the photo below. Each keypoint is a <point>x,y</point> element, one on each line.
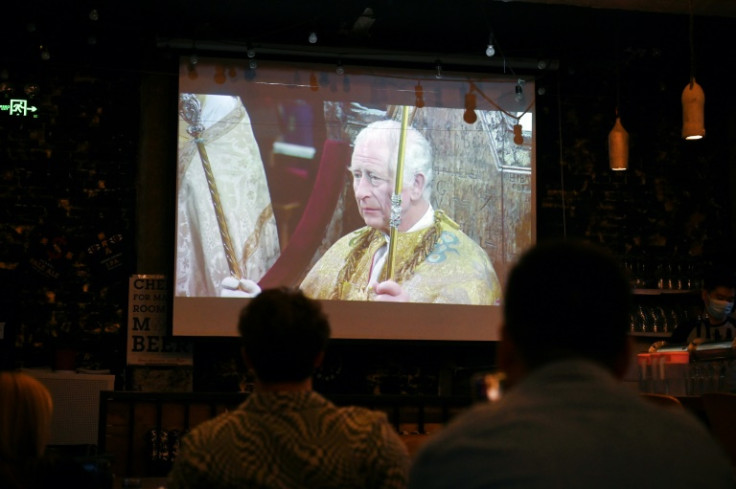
<point>285,434</point>
<point>435,261</point>
<point>566,420</point>
<point>716,323</point>
<point>25,428</point>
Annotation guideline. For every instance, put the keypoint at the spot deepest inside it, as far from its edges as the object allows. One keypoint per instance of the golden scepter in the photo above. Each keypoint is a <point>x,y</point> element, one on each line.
<point>395,218</point>
<point>190,110</point>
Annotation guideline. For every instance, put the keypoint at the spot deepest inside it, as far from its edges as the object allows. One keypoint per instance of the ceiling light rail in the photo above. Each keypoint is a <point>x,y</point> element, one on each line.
<point>354,55</point>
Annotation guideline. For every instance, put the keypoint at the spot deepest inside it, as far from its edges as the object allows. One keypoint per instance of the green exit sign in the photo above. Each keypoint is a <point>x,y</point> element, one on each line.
<point>19,107</point>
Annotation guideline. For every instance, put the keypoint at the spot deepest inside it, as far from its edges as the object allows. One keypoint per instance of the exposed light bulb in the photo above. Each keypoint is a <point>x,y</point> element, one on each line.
<point>253,64</point>
<point>312,37</point>
<point>490,51</point>
<point>340,70</point>
<point>519,90</point>
<point>251,53</point>
<point>193,59</point>
<point>192,72</point>
<point>438,75</point>
<point>94,15</point>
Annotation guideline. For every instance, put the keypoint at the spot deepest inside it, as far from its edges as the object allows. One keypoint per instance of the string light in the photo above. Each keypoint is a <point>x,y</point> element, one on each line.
<point>220,77</point>
<point>519,90</point>
<point>518,135</point>
<point>312,38</point>
<point>192,66</point>
<point>419,96</point>
<point>469,115</point>
<point>490,49</point>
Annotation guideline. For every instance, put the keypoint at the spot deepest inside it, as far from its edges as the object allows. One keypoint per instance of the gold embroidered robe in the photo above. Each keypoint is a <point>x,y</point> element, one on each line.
<point>236,163</point>
<point>438,264</point>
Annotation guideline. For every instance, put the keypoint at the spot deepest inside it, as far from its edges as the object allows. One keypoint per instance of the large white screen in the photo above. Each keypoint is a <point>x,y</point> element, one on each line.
<point>263,188</point>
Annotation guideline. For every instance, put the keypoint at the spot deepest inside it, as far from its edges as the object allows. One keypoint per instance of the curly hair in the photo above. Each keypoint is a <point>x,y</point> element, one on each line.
<point>283,332</point>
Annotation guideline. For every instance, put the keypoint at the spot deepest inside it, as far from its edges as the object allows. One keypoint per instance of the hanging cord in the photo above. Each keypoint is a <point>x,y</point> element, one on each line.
<point>692,47</point>
<point>562,166</point>
<point>473,86</point>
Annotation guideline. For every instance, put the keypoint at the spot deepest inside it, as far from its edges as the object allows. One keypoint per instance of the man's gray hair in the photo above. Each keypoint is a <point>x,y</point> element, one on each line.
<point>417,153</point>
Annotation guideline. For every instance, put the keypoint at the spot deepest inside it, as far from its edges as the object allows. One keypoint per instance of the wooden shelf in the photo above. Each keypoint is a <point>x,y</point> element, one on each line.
<point>665,292</point>
<point>651,335</point>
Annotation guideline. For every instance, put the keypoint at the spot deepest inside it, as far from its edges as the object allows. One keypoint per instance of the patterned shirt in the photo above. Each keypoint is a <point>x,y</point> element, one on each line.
<point>292,440</point>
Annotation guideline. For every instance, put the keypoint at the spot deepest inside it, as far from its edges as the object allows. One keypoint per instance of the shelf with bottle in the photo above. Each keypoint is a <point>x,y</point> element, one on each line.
<point>637,291</point>
<point>654,273</point>
<point>657,313</point>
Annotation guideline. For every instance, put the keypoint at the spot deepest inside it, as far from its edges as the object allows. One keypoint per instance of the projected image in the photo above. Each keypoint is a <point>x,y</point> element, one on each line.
<point>367,187</point>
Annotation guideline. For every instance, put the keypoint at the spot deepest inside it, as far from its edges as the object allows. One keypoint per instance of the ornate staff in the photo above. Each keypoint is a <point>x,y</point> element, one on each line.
<point>395,218</point>
<point>190,110</point>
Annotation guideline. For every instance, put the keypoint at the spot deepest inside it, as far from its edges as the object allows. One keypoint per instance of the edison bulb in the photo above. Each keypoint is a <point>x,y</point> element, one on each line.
<point>490,51</point>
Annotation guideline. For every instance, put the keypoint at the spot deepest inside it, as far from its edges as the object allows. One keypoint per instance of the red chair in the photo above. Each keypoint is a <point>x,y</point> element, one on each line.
<point>307,236</point>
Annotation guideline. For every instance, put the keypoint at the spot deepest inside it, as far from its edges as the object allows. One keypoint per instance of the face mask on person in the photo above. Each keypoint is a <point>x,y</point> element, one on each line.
<point>719,309</point>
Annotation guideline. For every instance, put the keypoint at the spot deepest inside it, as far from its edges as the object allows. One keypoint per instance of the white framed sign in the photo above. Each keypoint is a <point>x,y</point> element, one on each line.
<point>149,341</point>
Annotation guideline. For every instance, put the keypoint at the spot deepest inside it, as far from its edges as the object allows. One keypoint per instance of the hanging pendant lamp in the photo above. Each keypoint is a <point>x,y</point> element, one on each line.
<point>693,98</point>
<point>618,147</point>
<point>693,111</point>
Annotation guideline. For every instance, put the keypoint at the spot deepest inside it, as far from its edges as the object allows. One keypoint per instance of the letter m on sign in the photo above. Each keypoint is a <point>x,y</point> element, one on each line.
<point>141,326</point>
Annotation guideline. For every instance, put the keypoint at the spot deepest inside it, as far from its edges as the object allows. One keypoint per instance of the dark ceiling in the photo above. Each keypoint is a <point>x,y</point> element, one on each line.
<point>424,29</point>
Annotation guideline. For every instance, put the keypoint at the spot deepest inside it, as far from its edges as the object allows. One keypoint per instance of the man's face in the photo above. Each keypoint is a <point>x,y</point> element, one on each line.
<point>719,302</point>
<point>372,183</point>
